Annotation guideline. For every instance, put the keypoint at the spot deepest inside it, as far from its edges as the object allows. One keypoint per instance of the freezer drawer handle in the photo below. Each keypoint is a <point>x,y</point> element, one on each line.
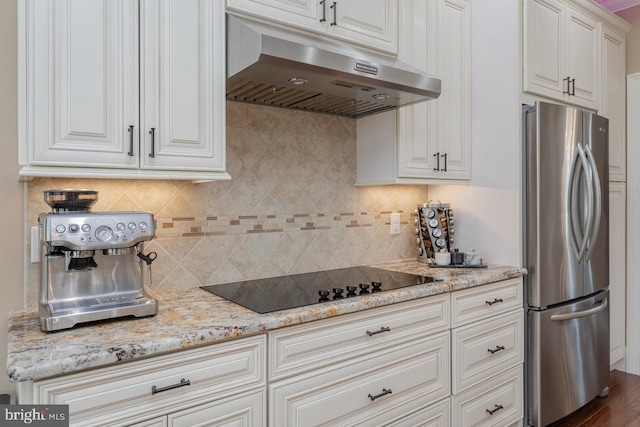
<point>182,383</point>
<point>497,349</point>
<point>495,301</point>
<point>382,329</point>
<point>578,314</point>
<point>384,393</point>
<point>497,408</point>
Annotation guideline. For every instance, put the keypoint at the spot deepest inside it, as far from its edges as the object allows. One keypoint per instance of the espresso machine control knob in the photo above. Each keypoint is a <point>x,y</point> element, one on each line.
<point>143,226</point>
<point>73,228</point>
<point>86,228</point>
<point>60,228</point>
<point>104,233</point>
<point>132,226</point>
<point>120,226</point>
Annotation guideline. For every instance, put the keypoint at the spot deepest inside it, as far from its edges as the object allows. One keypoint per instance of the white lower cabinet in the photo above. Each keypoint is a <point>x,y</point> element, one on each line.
<point>488,355</point>
<point>177,384</point>
<point>453,359</point>
<point>374,388</point>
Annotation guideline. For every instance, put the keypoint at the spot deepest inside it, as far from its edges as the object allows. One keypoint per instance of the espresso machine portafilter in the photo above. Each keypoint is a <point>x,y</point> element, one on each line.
<point>92,264</point>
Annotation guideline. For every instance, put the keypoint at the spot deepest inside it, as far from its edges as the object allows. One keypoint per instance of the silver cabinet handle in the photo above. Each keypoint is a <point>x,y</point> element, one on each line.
<point>335,14</point>
<point>130,153</point>
<point>324,10</point>
<point>182,383</point>
<point>382,329</point>
<point>152,132</point>
<point>437,156</point>
<point>578,314</point>
<point>385,391</point>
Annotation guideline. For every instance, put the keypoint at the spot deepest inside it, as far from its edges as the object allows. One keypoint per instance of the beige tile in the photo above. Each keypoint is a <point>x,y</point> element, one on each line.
<point>178,248</point>
<point>225,274</point>
<point>152,195</point>
<point>253,249</point>
<point>162,267</point>
<point>180,278</point>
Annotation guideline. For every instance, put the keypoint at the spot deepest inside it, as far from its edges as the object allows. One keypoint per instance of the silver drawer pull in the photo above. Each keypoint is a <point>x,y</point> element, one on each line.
<point>497,349</point>
<point>382,329</point>
<point>497,408</point>
<point>384,393</point>
<point>495,301</point>
<point>182,383</point>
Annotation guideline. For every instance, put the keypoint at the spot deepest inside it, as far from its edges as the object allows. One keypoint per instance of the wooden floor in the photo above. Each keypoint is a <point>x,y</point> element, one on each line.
<point>620,408</point>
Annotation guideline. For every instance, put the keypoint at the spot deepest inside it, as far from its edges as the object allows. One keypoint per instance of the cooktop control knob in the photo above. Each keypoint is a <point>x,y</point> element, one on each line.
<point>364,288</point>
<point>323,295</point>
<point>337,293</point>
<point>351,291</point>
<point>376,286</point>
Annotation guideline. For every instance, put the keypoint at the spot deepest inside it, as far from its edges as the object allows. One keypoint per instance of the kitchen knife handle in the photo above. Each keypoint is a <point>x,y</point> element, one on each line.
<point>324,10</point>
<point>335,13</point>
<point>130,153</point>
<point>152,132</point>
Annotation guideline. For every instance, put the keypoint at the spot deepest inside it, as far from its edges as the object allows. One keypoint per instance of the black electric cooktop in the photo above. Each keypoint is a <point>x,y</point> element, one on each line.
<point>298,290</point>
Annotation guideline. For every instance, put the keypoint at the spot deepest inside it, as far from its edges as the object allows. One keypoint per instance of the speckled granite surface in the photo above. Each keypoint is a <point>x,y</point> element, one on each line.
<point>192,317</point>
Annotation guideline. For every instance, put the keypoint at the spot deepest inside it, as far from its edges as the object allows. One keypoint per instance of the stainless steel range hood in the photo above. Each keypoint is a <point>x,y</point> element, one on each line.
<point>271,66</point>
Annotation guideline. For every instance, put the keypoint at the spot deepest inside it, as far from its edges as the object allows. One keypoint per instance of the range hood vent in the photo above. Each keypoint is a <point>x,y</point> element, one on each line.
<point>271,66</point>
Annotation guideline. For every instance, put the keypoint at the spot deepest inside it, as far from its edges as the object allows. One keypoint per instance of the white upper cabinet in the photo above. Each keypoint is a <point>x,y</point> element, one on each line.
<point>372,24</point>
<point>96,76</point>
<point>432,143</point>
<point>561,53</point>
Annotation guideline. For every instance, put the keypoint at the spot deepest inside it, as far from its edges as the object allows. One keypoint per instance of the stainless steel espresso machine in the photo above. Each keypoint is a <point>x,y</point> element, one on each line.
<point>92,265</point>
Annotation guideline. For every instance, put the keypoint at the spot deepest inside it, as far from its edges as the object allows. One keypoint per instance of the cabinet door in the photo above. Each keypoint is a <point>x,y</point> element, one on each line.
<point>583,58</point>
<point>183,72</point>
<point>613,101</point>
<point>617,269</point>
<point>372,23</point>
<point>81,83</point>
<point>417,138</point>
<point>544,38</point>
<point>305,14</point>
<point>454,104</point>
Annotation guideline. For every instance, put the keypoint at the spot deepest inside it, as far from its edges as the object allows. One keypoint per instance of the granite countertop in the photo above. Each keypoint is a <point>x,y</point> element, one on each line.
<point>191,317</point>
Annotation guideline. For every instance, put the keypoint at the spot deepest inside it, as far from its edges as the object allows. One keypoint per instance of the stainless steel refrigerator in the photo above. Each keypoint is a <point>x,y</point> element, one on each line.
<point>566,251</point>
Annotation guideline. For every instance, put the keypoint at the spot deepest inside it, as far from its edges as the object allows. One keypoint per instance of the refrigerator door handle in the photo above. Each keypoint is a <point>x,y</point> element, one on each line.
<point>576,224</point>
<point>578,314</point>
<point>595,184</point>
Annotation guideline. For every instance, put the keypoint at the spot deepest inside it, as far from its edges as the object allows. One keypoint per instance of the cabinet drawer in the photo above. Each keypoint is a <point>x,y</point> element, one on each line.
<point>438,415</point>
<point>246,409</point>
<point>484,349</point>
<point>313,345</point>
<point>414,374</point>
<point>483,302</point>
<point>498,402</point>
<point>108,396</point>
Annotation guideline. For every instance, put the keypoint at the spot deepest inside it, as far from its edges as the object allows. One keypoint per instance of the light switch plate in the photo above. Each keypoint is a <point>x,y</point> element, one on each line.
<point>394,223</point>
<point>35,245</point>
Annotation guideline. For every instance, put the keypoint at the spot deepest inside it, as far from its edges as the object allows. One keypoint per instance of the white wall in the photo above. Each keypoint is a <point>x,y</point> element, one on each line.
<point>11,191</point>
<point>632,15</point>
<point>488,211</point>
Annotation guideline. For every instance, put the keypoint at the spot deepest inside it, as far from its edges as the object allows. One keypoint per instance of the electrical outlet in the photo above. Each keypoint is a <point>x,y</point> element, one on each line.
<point>394,224</point>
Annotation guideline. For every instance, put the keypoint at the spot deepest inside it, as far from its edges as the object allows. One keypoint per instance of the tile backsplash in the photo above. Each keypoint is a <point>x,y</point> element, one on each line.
<point>291,206</point>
